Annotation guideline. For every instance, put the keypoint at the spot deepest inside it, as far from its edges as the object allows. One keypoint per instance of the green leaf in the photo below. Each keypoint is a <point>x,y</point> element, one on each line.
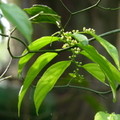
<point>106,116</point>
<point>101,116</point>
<point>36,67</point>
<point>83,52</point>
<point>48,80</point>
<point>104,66</point>
<point>94,69</point>
<point>81,38</point>
<point>110,49</point>
<point>18,18</point>
<point>114,70</point>
<point>34,46</point>
<point>43,14</point>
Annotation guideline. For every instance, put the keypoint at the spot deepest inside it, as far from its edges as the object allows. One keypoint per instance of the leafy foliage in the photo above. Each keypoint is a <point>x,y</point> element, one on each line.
<point>43,14</point>
<point>74,41</point>
<point>18,18</point>
<point>106,116</point>
<point>109,47</point>
<point>38,65</point>
<point>81,38</point>
<point>48,80</point>
<point>95,70</point>
<point>34,46</point>
<point>104,66</point>
<point>45,84</point>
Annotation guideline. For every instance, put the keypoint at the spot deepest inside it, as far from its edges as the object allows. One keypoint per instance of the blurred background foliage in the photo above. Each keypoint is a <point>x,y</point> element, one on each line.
<point>61,103</point>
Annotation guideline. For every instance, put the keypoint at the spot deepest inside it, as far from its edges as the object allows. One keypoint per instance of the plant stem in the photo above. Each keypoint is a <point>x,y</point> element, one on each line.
<point>107,33</point>
<point>83,10</point>
<point>77,12</point>
<point>2,79</point>
<point>104,8</point>
<point>6,68</point>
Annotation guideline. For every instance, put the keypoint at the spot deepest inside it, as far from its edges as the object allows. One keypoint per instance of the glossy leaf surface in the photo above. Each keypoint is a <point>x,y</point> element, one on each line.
<point>114,70</point>
<point>104,66</point>
<point>83,52</point>
<point>110,49</point>
<point>34,46</point>
<point>95,70</point>
<point>48,80</point>
<point>106,116</point>
<point>36,67</point>
<point>43,14</point>
<point>81,38</point>
<point>18,18</point>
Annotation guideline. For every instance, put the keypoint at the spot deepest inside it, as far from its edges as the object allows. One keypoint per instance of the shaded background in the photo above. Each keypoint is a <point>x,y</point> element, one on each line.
<point>62,103</point>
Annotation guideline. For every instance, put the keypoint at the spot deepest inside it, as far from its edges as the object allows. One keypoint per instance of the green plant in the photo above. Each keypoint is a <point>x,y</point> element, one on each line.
<point>74,41</point>
<point>106,116</point>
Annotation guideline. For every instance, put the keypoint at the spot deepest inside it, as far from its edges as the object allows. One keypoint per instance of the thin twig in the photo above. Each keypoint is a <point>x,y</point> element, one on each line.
<point>2,79</point>
<point>77,12</point>
<point>88,8</point>
<point>107,33</point>
<point>74,13</point>
<point>21,41</point>
<point>84,88</point>
<point>65,7</point>
<point>104,8</point>
<point>11,37</point>
<point>58,50</point>
<point>8,45</point>
<point>68,21</point>
<point>8,66</point>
